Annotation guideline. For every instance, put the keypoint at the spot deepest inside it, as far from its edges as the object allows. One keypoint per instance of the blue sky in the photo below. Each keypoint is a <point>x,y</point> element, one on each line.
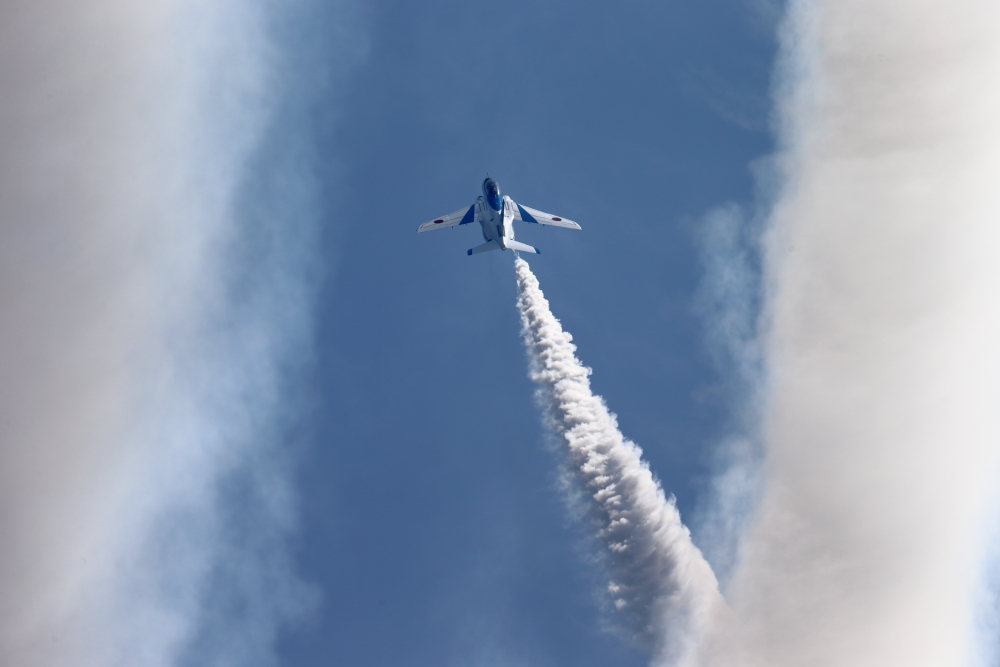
<point>431,521</point>
<point>249,416</point>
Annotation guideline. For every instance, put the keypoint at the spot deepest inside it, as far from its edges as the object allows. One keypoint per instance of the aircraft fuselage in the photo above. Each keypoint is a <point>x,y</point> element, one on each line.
<point>495,214</point>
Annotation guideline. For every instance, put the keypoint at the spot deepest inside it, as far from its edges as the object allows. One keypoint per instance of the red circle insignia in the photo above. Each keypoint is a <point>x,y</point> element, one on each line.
<point>438,222</point>
<point>557,219</point>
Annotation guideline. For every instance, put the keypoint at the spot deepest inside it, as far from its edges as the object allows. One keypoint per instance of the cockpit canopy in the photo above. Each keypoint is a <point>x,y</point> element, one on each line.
<point>492,190</point>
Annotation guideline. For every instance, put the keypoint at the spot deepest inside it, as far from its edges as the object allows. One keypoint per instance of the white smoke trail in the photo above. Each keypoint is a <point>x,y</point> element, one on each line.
<point>882,419</point>
<point>660,581</point>
<point>153,312</point>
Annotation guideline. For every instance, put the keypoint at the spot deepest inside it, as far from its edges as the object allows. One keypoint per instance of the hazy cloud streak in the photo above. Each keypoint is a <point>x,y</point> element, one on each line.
<point>881,419</point>
<point>154,312</point>
<point>728,301</point>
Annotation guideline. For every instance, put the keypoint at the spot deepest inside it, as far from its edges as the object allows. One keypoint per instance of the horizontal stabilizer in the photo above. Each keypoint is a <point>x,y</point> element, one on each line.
<point>523,247</point>
<point>489,245</point>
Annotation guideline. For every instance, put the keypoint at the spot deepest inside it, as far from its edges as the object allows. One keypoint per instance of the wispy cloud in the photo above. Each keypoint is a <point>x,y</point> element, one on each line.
<point>729,301</point>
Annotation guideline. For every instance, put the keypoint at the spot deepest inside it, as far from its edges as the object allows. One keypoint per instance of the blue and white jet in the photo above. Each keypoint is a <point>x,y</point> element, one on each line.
<point>496,215</point>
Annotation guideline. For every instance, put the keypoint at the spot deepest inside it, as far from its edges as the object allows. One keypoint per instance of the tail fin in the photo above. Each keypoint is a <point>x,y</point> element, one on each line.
<point>489,245</point>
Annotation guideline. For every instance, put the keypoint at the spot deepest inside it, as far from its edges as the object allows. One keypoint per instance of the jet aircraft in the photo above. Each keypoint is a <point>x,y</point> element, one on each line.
<point>496,216</point>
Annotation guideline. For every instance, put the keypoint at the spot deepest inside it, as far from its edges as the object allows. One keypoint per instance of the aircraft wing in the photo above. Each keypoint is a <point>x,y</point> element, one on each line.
<point>462,216</point>
<point>531,215</point>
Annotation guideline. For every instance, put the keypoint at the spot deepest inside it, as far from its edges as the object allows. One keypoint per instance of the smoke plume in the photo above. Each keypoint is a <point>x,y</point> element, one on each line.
<point>154,309</point>
<point>659,580</point>
<point>881,421</point>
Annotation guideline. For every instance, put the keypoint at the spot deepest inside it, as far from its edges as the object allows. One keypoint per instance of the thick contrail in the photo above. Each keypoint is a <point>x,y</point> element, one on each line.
<point>157,263</point>
<point>659,579</point>
<point>881,421</point>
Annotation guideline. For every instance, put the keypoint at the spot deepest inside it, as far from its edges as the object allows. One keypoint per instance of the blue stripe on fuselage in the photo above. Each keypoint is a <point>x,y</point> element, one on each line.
<point>492,191</point>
